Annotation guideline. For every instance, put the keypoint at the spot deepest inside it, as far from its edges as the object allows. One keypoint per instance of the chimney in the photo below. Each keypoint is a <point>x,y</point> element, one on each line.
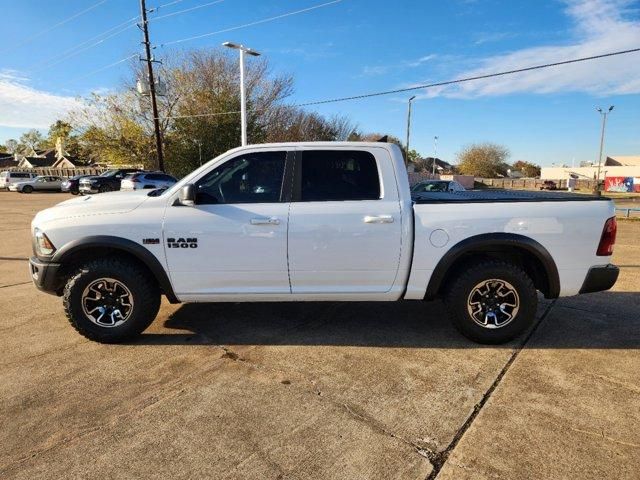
<point>60,148</point>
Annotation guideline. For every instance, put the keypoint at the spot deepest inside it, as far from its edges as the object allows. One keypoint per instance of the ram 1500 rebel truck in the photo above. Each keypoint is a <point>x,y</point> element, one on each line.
<point>319,221</point>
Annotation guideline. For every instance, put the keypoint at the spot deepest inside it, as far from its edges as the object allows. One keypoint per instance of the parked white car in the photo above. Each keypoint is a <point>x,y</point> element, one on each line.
<point>10,178</point>
<point>147,181</point>
<point>43,183</point>
<point>328,221</point>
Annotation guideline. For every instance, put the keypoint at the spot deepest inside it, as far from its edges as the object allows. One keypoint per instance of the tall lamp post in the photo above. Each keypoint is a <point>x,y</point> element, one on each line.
<point>406,160</point>
<point>603,114</point>
<point>243,100</point>
<point>435,154</point>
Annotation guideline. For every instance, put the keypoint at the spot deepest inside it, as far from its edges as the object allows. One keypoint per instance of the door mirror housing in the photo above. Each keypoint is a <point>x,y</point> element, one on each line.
<point>187,195</point>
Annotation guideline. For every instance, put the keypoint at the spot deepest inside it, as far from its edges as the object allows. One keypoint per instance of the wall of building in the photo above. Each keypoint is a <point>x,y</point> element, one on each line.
<point>563,173</point>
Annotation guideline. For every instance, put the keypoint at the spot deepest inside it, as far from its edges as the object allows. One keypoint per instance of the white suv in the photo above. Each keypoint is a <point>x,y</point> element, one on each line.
<point>9,178</point>
<point>147,180</point>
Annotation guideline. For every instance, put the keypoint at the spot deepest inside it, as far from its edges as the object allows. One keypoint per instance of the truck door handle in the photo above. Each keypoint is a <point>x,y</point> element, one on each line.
<point>378,219</point>
<point>265,221</point>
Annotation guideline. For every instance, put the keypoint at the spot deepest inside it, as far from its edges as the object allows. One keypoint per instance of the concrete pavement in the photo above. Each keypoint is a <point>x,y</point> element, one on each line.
<point>320,390</point>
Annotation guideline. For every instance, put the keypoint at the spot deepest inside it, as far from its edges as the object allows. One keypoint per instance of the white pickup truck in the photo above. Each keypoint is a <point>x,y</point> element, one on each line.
<point>319,221</point>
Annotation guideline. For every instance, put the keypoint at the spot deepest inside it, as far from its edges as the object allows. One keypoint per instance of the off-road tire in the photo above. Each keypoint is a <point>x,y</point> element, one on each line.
<point>143,288</point>
<point>458,292</point>
<point>27,189</point>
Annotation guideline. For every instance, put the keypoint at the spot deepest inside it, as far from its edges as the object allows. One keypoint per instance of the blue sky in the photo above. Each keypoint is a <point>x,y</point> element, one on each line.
<point>358,46</point>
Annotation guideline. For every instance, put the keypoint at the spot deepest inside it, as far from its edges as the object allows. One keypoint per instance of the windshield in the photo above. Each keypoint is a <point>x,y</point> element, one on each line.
<point>108,173</point>
<point>431,187</point>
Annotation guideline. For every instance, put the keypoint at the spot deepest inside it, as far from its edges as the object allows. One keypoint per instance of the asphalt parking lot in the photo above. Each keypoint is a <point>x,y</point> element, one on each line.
<point>323,390</point>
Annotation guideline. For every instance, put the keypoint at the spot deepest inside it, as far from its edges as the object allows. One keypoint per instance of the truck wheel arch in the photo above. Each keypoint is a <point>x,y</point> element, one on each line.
<point>80,248</point>
<point>537,260</point>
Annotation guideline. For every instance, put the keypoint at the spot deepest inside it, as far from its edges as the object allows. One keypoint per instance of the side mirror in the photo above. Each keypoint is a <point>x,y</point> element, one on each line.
<point>187,195</point>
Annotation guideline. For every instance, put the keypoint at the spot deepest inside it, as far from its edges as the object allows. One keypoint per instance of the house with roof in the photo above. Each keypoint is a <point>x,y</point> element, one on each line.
<point>7,160</point>
<point>56,157</point>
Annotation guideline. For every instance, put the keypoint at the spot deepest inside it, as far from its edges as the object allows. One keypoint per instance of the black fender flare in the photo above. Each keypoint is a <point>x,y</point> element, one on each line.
<point>63,255</point>
<point>489,241</point>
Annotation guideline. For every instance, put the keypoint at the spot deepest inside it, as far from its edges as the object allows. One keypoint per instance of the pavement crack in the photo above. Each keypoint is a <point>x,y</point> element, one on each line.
<point>605,437</point>
<point>14,284</point>
<point>438,459</point>
<point>380,428</point>
<point>615,381</point>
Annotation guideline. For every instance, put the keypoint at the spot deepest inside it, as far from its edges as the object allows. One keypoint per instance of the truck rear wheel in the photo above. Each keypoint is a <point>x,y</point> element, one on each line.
<point>110,300</point>
<point>492,302</point>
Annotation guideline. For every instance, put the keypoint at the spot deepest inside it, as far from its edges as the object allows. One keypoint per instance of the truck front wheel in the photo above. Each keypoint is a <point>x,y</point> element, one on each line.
<point>110,300</point>
<point>492,302</point>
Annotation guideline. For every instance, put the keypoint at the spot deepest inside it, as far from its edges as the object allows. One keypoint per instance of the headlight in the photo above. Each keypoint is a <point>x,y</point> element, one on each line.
<point>44,247</point>
<point>93,182</point>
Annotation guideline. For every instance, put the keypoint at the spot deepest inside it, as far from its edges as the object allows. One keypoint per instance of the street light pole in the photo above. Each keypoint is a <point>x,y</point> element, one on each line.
<point>435,154</point>
<point>243,100</point>
<point>604,124</point>
<point>406,160</point>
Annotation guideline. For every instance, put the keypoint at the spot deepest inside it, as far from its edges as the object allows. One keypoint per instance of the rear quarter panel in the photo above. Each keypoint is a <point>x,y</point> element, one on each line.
<point>570,231</point>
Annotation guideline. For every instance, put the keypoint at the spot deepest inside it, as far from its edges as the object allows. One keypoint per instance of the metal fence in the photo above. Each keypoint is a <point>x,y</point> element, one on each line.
<point>61,172</point>
<point>628,212</point>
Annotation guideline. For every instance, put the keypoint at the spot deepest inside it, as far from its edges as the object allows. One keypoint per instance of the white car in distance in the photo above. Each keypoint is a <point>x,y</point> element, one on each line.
<point>147,181</point>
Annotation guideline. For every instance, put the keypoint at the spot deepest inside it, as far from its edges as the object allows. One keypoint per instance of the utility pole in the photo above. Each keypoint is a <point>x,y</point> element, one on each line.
<point>406,160</point>
<point>435,155</point>
<point>604,124</point>
<point>152,85</point>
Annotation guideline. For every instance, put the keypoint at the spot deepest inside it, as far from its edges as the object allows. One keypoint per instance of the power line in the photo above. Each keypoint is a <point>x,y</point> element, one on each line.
<point>93,72</point>
<point>257,22</point>
<point>47,30</point>
<point>470,79</point>
<point>432,85</point>
<point>165,5</point>
<point>185,10</point>
<point>77,52</point>
<point>70,52</point>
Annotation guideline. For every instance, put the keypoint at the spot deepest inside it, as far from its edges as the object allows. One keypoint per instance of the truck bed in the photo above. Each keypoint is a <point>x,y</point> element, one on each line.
<point>502,196</point>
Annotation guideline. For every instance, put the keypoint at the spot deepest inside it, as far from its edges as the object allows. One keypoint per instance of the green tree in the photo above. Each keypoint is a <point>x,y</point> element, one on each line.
<point>31,139</point>
<point>528,169</point>
<point>200,112</point>
<point>487,160</point>
<point>11,145</point>
<point>64,130</point>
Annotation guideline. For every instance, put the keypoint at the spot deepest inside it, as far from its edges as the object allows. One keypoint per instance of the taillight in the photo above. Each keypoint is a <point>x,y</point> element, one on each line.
<point>608,238</point>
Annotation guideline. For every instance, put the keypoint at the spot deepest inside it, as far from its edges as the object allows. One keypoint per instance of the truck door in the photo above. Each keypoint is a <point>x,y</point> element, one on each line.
<point>234,239</point>
<point>344,222</point>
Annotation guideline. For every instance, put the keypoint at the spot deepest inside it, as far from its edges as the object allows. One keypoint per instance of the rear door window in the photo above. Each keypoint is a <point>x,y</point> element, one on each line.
<point>336,175</point>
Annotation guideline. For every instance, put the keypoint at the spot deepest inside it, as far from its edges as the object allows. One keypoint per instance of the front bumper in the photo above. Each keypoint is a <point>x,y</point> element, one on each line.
<point>45,275</point>
<point>89,188</point>
<point>600,278</point>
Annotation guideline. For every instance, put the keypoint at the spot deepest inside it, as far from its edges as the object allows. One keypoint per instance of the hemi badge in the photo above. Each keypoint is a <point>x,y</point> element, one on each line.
<point>150,241</point>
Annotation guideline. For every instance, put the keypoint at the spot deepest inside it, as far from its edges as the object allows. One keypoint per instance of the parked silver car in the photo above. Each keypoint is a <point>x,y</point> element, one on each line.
<point>147,180</point>
<point>42,183</point>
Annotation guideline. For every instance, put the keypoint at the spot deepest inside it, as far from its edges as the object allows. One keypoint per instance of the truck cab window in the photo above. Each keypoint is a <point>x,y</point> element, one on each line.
<point>330,175</point>
<point>248,178</point>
